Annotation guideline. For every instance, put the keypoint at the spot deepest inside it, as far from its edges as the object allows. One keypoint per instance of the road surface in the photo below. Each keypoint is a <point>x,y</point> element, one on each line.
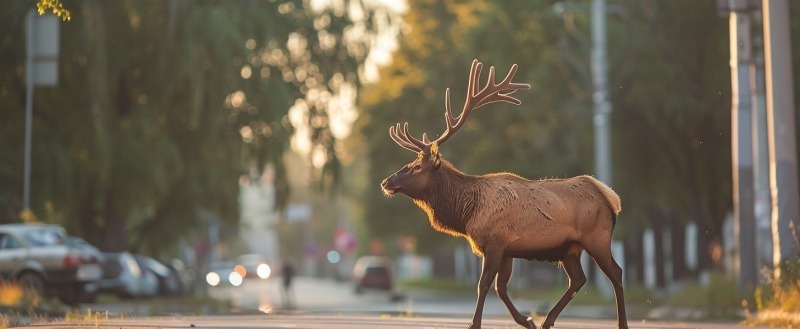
<point>330,304</point>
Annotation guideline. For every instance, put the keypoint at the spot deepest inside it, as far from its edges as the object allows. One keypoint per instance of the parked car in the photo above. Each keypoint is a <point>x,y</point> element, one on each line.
<point>372,273</point>
<point>169,283</point>
<point>122,276</point>
<point>44,260</point>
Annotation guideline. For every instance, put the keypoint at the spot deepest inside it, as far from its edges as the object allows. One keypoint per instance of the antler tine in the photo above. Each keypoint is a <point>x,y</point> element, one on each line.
<point>411,139</point>
<point>500,92</point>
<point>400,141</point>
<point>477,97</point>
<point>474,77</point>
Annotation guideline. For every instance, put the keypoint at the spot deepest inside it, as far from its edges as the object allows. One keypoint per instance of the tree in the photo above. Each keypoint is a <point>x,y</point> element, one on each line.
<point>161,106</point>
<point>670,119</point>
<point>444,39</point>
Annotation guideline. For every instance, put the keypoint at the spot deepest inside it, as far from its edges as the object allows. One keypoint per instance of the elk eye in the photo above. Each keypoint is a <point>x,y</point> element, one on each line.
<point>417,167</point>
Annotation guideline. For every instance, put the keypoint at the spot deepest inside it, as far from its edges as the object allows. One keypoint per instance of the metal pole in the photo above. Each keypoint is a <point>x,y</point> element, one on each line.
<point>742,146</point>
<point>26,185</point>
<point>602,106</point>
<point>781,127</point>
<point>602,111</point>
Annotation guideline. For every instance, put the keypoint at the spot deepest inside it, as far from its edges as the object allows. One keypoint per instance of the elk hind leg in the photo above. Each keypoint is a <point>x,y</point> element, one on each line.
<point>574,270</point>
<point>501,286</point>
<point>605,261</point>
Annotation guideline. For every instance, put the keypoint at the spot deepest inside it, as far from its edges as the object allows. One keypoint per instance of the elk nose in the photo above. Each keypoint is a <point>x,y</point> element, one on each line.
<point>384,182</point>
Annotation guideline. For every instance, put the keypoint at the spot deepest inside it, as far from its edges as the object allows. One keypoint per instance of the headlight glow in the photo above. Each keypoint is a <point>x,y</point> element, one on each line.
<point>263,271</point>
<point>235,279</point>
<point>213,278</point>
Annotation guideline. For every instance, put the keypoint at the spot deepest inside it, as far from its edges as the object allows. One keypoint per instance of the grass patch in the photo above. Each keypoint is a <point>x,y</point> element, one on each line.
<point>719,298</point>
<point>778,301</point>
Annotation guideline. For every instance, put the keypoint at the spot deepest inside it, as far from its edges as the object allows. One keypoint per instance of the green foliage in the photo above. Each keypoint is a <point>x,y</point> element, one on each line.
<point>445,37</point>
<point>56,6</point>
<point>154,119</point>
<point>669,88</point>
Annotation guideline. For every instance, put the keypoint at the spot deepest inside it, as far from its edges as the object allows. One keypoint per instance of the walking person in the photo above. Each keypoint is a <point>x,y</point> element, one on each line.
<point>287,273</point>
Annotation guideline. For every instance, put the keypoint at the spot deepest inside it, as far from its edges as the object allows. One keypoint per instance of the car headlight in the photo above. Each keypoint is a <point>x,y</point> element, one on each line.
<point>235,279</point>
<point>263,271</point>
<point>213,278</point>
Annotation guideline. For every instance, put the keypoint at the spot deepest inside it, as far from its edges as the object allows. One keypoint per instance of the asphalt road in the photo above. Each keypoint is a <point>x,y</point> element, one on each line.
<point>349,321</point>
<point>330,304</point>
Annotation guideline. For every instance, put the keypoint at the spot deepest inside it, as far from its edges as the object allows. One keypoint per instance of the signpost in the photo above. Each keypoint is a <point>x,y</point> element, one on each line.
<point>41,69</point>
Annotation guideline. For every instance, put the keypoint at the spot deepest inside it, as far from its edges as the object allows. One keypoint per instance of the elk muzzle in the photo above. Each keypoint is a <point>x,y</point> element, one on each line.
<point>388,187</point>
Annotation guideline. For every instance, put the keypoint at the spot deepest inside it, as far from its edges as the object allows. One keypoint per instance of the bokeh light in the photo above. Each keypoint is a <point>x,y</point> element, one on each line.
<point>334,257</point>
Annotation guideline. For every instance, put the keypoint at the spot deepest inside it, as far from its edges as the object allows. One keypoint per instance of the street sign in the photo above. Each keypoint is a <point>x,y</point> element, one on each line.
<point>42,42</point>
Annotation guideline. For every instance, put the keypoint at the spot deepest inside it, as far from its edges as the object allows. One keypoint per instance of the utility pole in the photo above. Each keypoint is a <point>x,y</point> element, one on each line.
<point>781,129</point>
<point>602,108</point>
<point>741,143</point>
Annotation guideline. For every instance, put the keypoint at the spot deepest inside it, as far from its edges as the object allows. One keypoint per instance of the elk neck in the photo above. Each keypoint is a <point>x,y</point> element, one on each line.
<point>450,202</point>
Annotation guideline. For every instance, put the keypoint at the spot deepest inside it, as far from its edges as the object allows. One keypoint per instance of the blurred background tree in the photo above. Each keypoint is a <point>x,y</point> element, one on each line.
<point>670,88</point>
<point>162,105</point>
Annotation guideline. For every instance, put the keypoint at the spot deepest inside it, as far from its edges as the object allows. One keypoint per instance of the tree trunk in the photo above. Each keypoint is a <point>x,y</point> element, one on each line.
<point>678,235</point>
<point>634,258</point>
<point>657,220</point>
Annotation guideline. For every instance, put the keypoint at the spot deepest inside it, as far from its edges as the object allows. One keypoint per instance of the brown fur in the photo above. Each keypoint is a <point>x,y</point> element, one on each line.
<point>505,216</point>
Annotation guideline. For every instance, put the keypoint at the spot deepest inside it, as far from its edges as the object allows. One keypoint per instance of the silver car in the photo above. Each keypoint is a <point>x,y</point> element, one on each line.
<point>41,259</point>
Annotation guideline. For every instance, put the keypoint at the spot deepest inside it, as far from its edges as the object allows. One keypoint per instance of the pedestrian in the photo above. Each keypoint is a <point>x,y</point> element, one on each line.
<point>287,273</point>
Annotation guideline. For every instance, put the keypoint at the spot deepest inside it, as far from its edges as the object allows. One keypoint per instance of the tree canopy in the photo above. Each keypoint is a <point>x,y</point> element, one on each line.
<point>162,105</point>
<point>670,92</point>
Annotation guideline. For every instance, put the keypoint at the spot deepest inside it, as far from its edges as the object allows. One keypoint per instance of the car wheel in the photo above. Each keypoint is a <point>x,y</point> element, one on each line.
<point>32,284</point>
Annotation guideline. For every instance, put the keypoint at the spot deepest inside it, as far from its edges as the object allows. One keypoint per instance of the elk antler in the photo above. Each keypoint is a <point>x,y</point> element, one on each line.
<point>475,98</point>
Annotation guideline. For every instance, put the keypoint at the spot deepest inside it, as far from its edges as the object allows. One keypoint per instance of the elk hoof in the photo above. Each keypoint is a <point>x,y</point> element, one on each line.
<point>474,326</point>
<point>529,323</point>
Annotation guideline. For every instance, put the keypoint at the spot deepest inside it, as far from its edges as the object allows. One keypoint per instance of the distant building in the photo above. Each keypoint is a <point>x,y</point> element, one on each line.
<point>257,214</point>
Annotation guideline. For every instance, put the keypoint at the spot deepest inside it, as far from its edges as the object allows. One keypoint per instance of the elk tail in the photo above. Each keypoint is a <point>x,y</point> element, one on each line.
<point>611,196</point>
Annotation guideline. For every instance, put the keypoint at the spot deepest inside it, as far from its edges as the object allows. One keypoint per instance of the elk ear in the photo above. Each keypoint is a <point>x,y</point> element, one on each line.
<point>435,157</point>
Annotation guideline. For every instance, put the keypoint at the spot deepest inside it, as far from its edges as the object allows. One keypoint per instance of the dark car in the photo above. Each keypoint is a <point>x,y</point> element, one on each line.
<point>44,260</point>
<point>372,273</point>
<point>169,282</point>
<point>125,278</point>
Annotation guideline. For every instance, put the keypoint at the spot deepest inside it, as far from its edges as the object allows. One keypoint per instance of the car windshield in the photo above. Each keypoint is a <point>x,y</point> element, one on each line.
<point>43,237</point>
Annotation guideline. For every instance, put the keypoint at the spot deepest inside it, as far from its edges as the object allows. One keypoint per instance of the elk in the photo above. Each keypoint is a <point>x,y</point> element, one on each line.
<point>504,216</point>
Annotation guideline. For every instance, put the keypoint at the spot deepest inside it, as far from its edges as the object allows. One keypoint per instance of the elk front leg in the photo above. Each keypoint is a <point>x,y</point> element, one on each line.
<point>501,286</point>
<point>491,263</point>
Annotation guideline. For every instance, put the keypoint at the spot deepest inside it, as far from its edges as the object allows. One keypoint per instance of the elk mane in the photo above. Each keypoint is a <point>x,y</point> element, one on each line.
<point>451,201</point>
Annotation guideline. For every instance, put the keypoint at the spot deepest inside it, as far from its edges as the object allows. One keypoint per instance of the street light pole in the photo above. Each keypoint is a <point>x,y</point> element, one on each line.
<point>602,106</point>
<point>602,110</point>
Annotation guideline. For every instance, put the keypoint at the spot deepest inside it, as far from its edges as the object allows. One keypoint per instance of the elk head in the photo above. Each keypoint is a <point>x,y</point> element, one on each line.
<point>415,178</point>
